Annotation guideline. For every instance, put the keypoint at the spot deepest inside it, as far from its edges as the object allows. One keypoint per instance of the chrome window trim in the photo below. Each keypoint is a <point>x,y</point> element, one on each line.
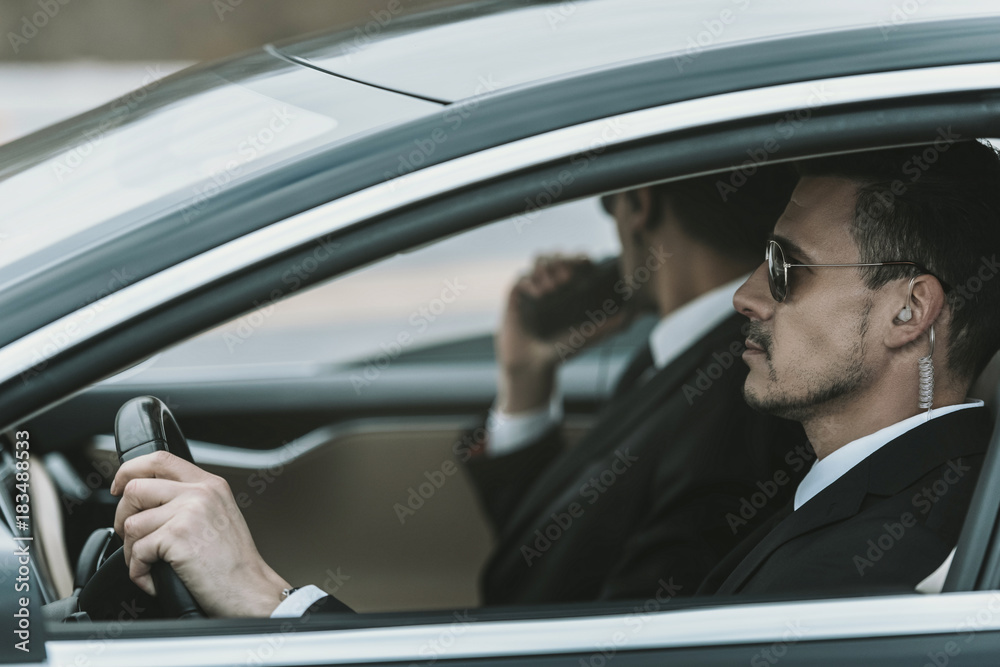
<point>306,227</point>
<point>213,454</point>
<point>243,458</point>
<point>954,616</point>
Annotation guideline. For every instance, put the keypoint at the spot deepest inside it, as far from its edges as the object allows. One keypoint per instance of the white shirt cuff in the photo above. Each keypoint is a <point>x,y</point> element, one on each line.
<point>298,602</point>
<point>508,433</point>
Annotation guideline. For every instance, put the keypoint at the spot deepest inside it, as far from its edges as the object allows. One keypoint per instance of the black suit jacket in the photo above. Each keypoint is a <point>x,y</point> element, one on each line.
<point>674,474</point>
<point>883,526</point>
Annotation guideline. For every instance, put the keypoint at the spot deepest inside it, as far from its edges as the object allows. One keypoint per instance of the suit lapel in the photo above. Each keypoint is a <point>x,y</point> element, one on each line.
<point>629,409</point>
<point>811,516</point>
<point>887,471</point>
<point>729,564</point>
<point>641,364</point>
<point>639,400</point>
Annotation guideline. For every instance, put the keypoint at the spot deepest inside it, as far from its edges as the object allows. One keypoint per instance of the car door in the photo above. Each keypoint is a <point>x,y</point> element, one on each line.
<point>348,404</point>
<point>698,135</point>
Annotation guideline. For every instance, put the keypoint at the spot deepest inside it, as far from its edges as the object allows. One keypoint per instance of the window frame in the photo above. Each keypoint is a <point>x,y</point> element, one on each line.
<point>696,136</point>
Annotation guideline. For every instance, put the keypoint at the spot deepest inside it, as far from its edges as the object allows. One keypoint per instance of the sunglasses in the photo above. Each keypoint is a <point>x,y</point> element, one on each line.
<point>777,269</point>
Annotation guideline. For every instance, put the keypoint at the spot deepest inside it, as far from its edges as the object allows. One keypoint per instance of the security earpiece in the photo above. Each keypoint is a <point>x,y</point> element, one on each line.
<point>906,314</point>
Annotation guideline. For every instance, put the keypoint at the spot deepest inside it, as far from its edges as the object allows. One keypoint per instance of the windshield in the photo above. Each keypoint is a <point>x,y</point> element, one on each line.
<point>173,144</point>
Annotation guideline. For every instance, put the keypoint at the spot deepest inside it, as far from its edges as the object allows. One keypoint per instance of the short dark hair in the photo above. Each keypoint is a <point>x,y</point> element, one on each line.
<point>733,212</point>
<point>937,205</point>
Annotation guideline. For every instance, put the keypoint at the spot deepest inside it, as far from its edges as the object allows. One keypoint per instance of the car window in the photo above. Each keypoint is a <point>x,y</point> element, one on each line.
<point>146,152</point>
<point>306,399</point>
<point>444,292</point>
<point>274,477</point>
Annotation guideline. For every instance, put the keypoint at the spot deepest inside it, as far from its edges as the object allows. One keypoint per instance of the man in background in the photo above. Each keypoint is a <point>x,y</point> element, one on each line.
<point>677,468</point>
<point>675,472</point>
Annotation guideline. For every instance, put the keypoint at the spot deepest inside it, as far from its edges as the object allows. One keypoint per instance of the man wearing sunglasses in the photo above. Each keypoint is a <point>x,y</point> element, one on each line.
<point>676,469</point>
<point>869,320</point>
<point>875,310</point>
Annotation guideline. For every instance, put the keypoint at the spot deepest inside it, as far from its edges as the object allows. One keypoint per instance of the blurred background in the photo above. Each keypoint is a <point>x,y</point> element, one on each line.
<point>61,57</point>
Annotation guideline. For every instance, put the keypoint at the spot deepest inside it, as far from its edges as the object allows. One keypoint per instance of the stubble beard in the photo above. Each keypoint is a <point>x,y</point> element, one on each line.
<point>822,389</point>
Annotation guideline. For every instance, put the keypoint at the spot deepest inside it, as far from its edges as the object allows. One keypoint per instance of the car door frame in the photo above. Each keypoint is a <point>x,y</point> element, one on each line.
<point>693,136</point>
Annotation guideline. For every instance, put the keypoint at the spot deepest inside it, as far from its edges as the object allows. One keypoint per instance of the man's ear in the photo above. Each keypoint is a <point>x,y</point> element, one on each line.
<point>638,210</point>
<point>918,308</point>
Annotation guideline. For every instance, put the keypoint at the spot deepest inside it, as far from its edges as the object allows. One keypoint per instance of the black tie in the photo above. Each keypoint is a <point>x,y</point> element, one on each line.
<point>636,369</point>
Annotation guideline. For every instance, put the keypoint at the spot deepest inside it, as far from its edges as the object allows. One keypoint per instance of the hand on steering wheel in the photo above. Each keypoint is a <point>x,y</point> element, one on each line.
<point>172,511</point>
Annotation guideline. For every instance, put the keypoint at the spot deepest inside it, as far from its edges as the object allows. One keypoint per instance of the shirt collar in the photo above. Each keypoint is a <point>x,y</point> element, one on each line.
<point>684,326</point>
<point>833,466</point>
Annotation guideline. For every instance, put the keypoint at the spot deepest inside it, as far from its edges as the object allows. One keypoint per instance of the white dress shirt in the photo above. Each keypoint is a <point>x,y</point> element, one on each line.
<point>298,602</point>
<point>830,468</point>
<point>671,336</point>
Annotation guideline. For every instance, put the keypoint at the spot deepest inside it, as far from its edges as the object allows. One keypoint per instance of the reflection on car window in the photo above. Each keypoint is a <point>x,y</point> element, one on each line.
<point>149,152</point>
<point>446,291</point>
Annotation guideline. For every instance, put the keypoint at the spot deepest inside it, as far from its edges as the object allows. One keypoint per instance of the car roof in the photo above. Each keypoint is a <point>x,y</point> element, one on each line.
<point>144,241</point>
<point>458,52</point>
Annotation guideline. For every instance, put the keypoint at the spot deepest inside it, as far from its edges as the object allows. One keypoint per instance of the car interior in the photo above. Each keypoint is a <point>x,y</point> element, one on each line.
<point>318,412</point>
<point>315,413</point>
<point>338,403</point>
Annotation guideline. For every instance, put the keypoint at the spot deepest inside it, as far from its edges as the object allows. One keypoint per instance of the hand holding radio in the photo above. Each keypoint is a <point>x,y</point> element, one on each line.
<point>561,306</point>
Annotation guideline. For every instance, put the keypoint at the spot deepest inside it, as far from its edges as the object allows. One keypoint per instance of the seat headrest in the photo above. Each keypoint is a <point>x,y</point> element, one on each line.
<point>987,385</point>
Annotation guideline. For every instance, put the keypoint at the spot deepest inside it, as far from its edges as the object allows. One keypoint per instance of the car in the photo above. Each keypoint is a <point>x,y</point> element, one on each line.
<point>302,251</point>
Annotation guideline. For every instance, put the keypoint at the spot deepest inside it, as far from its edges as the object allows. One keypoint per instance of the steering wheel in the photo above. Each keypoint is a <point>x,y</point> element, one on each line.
<point>143,425</point>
